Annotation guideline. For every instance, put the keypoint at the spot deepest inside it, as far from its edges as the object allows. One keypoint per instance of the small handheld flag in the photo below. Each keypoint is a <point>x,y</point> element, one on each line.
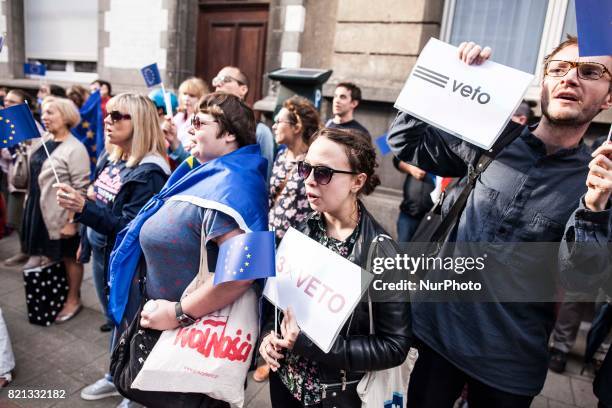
<point>35,69</point>
<point>246,256</point>
<point>17,125</point>
<point>594,24</point>
<point>151,75</point>
<point>381,142</point>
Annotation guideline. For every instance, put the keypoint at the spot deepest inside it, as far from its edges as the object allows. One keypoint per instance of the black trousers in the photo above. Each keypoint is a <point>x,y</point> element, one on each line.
<point>436,383</point>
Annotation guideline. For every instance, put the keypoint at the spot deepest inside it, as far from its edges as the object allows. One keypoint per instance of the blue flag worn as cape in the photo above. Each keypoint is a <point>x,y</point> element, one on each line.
<point>233,184</point>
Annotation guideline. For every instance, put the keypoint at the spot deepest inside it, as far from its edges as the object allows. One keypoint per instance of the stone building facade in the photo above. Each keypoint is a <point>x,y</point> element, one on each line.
<point>374,44</point>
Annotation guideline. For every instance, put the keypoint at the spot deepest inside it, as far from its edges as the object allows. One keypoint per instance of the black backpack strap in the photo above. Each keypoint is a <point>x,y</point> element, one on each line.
<point>511,132</point>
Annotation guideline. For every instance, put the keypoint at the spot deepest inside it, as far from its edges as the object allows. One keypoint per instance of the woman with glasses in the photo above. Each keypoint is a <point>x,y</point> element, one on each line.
<point>49,234</point>
<point>200,207</point>
<point>129,173</point>
<point>338,169</point>
<point>293,128</point>
<point>176,130</point>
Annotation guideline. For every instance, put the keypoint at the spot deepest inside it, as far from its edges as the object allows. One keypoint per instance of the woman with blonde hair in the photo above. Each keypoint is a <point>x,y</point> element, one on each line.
<point>48,231</point>
<point>134,168</point>
<point>176,130</point>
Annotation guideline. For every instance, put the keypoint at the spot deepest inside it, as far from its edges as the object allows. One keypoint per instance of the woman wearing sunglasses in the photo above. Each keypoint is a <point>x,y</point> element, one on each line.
<point>48,231</point>
<point>129,173</point>
<point>338,169</point>
<point>200,207</point>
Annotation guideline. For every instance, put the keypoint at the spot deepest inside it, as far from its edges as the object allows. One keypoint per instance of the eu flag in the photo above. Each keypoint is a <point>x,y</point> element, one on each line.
<point>594,24</point>
<point>246,256</point>
<point>151,75</point>
<point>17,125</point>
<point>91,129</point>
<point>35,69</point>
<point>381,142</point>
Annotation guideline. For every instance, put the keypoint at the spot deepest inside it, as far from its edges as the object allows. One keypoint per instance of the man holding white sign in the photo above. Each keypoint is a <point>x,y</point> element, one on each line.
<point>441,83</point>
<point>526,194</point>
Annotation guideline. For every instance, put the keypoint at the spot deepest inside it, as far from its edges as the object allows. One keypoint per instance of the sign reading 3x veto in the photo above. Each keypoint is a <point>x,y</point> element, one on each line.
<point>441,80</point>
<point>472,102</point>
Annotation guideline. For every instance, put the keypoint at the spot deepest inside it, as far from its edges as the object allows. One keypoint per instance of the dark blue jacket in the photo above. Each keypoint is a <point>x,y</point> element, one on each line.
<point>524,196</point>
<point>138,187</point>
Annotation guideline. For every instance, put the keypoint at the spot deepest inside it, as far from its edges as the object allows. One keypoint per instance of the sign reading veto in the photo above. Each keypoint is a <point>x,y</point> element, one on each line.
<point>471,102</point>
<point>322,287</point>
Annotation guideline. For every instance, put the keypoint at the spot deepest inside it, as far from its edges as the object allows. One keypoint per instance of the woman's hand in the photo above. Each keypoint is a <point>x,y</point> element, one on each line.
<point>289,330</point>
<point>91,193</point>
<point>269,352</point>
<point>162,317</point>
<point>69,198</point>
<point>170,133</point>
<point>69,230</point>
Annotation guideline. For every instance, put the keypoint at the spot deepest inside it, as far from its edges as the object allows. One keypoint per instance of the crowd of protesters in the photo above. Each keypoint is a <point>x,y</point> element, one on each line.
<point>545,186</point>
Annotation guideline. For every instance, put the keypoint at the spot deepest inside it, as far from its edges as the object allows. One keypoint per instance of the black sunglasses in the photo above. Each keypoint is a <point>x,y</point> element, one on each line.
<point>322,174</point>
<point>116,116</point>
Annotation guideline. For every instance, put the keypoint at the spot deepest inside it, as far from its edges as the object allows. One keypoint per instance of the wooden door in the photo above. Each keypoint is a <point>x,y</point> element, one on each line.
<point>233,34</point>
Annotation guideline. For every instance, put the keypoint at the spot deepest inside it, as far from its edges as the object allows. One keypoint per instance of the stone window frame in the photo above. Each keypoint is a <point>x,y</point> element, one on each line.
<point>552,34</point>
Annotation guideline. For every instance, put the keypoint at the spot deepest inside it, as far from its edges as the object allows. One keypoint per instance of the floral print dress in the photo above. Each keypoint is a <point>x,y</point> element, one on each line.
<point>299,374</point>
<point>288,203</point>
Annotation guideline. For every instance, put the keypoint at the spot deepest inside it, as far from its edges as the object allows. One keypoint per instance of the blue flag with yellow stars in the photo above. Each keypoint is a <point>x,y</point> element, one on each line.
<point>246,256</point>
<point>91,129</point>
<point>17,125</point>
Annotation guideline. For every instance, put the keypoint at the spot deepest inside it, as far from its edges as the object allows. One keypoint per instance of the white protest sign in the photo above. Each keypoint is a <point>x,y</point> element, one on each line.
<point>472,102</point>
<point>322,287</point>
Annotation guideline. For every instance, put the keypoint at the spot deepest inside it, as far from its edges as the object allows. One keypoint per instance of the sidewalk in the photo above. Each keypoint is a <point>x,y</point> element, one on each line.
<point>72,355</point>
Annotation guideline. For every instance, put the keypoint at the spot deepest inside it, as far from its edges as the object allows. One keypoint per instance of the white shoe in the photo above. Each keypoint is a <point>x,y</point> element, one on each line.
<point>98,390</point>
<point>126,403</point>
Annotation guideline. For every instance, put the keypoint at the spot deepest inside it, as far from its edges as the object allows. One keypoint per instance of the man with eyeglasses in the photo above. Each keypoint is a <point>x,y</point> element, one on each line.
<point>233,80</point>
<point>526,194</point>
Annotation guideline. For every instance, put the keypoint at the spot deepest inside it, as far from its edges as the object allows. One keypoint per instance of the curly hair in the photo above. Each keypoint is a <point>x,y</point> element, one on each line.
<point>234,116</point>
<point>359,151</point>
<point>303,113</point>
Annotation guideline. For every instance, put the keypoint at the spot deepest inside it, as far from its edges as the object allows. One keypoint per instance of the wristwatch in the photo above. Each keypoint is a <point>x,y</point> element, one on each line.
<point>183,318</point>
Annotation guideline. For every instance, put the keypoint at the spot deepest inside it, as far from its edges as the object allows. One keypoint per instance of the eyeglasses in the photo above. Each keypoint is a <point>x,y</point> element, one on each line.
<point>322,174</point>
<point>197,123</point>
<point>116,116</point>
<point>586,70</point>
<point>224,79</point>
